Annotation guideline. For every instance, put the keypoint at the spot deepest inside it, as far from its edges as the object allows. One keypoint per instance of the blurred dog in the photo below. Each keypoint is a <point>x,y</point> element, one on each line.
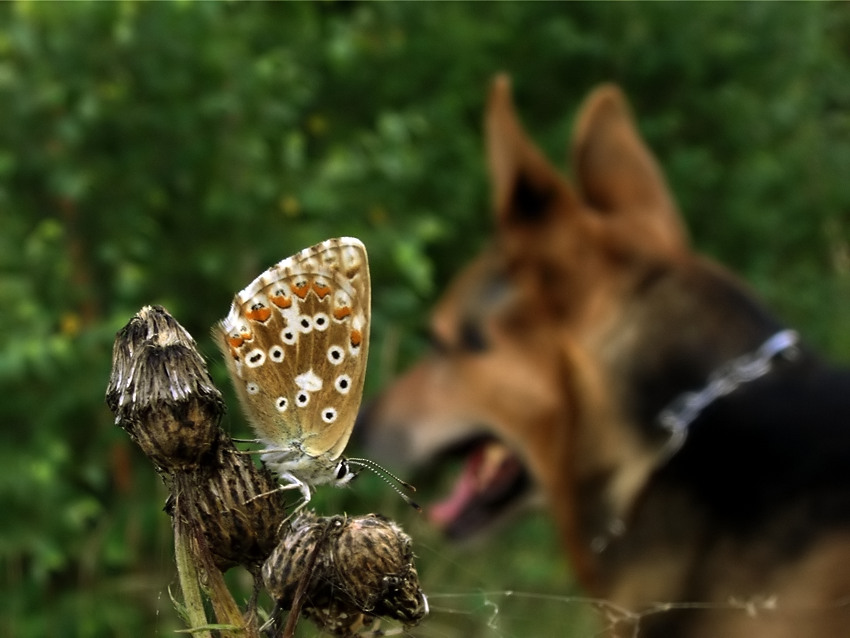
<point>689,447</point>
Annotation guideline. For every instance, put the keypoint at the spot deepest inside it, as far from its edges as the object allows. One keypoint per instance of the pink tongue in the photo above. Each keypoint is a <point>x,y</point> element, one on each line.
<point>466,487</point>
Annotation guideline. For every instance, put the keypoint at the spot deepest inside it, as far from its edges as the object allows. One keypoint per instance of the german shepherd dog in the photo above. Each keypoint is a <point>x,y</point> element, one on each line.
<point>694,453</point>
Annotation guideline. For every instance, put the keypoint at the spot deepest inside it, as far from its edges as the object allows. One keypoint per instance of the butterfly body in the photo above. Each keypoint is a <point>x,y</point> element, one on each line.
<point>296,341</point>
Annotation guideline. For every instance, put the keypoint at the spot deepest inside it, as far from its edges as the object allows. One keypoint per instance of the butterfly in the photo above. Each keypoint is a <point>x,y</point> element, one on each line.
<point>296,341</point>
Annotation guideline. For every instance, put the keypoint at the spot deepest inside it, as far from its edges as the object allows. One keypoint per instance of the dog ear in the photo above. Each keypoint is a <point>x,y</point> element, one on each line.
<point>616,172</point>
<point>527,190</point>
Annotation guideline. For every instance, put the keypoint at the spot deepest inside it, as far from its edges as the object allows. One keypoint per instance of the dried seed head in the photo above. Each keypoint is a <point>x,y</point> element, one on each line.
<point>376,568</point>
<point>292,558</point>
<point>237,507</point>
<point>356,569</point>
<point>161,393</point>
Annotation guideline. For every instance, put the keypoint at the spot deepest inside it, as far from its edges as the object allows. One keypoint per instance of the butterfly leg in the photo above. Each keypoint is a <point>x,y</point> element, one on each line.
<point>282,488</point>
<point>293,483</point>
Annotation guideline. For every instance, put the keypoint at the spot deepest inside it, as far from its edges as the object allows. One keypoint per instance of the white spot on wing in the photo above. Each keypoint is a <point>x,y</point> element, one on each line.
<point>343,384</point>
<point>321,321</point>
<point>336,355</point>
<point>309,381</point>
<point>305,324</point>
<point>255,358</point>
<point>341,298</point>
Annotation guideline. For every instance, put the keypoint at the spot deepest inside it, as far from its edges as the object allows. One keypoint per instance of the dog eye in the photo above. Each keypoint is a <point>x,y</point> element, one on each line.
<point>436,343</point>
<point>472,339</point>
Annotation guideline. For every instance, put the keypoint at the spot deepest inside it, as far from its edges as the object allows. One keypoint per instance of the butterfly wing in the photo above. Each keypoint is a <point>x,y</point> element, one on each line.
<point>296,342</point>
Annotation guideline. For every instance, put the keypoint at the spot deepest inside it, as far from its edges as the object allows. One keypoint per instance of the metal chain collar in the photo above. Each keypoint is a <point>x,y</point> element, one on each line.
<point>677,417</point>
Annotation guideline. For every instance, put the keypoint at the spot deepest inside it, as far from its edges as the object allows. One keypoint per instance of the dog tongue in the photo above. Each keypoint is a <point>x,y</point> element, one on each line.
<point>465,488</point>
<point>481,467</point>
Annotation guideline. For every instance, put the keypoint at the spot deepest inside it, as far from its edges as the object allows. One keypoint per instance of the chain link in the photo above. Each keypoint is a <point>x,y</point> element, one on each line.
<point>677,417</point>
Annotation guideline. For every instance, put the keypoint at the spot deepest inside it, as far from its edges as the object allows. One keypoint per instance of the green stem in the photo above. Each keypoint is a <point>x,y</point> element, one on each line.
<point>188,574</point>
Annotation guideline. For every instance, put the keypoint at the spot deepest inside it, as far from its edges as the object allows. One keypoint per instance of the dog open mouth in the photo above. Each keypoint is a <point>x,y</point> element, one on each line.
<point>492,484</point>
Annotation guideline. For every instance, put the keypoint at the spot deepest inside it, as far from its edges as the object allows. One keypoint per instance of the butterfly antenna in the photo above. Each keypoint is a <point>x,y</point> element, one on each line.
<point>388,478</point>
<point>378,469</point>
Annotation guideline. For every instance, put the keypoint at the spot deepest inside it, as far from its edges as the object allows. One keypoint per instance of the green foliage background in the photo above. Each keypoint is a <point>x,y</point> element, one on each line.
<point>167,153</point>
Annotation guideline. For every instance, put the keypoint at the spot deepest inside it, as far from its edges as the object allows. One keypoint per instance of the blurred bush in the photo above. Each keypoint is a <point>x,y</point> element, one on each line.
<point>166,153</point>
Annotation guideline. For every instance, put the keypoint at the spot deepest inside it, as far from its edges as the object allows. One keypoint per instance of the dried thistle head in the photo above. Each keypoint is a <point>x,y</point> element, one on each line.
<point>237,507</point>
<point>374,558</point>
<point>161,393</point>
<point>297,557</point>
<point>352,570</point>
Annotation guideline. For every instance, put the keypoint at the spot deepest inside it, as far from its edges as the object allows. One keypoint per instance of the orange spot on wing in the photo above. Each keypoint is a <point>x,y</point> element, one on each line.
<point>300,291</point>
<point>356,338</point>
<point>259,314</point>
<point>235,342</point>
<point>281,301</point>
<point>342,313</point>
<point>322,291</point>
